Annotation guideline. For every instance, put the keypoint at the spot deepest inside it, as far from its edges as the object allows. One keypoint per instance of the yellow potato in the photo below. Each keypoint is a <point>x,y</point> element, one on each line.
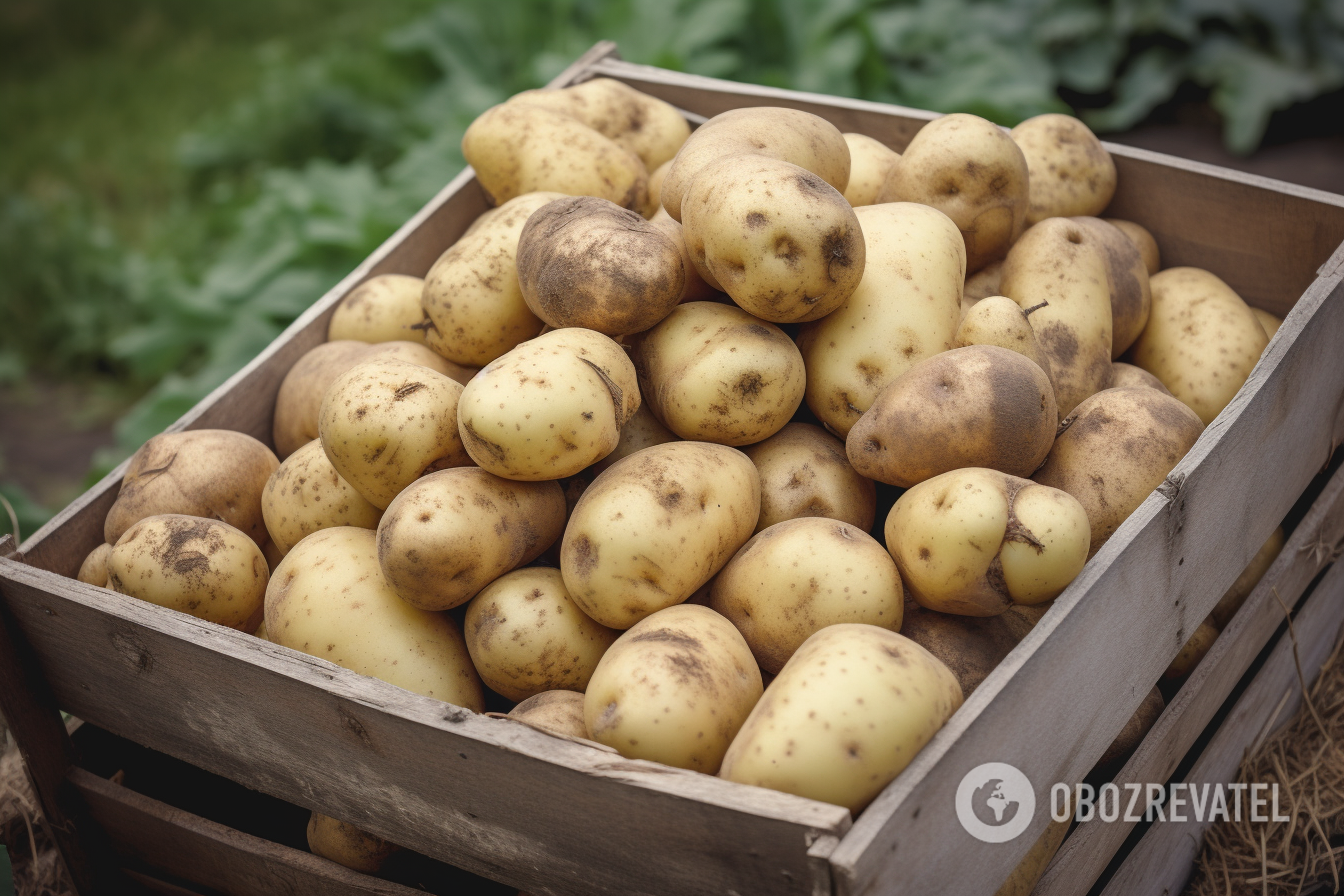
<point>526,636</point>
<point>779,239</point>
<point>385,308</point>
<point>1126,278</point>
<point>641,431</point>
<point>717,374</point>
<point>697,287</point>
<point>384,424</point>
<point>1071,172</point>
<point>905,309</point>
<point>415,353</point>
<point>1130,736</point>
<point>998,320</point>
<point>1268,321</point>
<point>328,598</point>
<point>1194,650</point>
<point>805,473</point>
<point>983,283</point>
<point>93,571</point>
<point>305,493</point>
<point>799,576</point>
<point>1231,601</point>
<point>203,567</point>
<point>559,712</point>
<point>972,171</point>
<point>655,527</point>
<point>1123,375</point>
<point>675,689</point>
<point>1201,341</point>
<point>1141,238</point>
<point>844,717</point>
<point>977,541</point>
<point>451,533</point>
<point>870,164</point>
<point>213,473</point>
<point>347,845</point>
<point>656,188</point>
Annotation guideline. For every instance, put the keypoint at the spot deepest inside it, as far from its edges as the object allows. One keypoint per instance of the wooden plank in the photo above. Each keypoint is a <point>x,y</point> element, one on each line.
<point>1313,545</point>
<point>490,795</point>
<point>1059,698</point>
<point>1164,857</point>
<point>160,837</point>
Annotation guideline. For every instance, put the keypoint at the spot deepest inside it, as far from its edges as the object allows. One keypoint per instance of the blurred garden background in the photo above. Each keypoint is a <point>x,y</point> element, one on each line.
<point>178,180</point>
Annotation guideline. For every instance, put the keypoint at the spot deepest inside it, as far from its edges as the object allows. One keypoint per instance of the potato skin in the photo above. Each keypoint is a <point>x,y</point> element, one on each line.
<point>203,567</point>
<point>715,373</point>
<point>527,637</point>
<point>905,309</point>
<point>585,262</point>
<point>451,533</point>
<point>870,164</point>
<point>1236,595</point>
<point>978,406</point>
<point>844,717</point>
<point>93,571</point>
<point>1143,240</point>
<point>347,845</point>
<point>970,646</point>
<point>778,239</point>
<point>675,689</point>
<point>1194,650</point>
<point>305,493</point>
<point>381,309</point>
<point>805,473</point>
<point>799,576</point>
<point>213,473</point>
<point>559,712</point>
<point>656,190</point>
<point>697,287</point>
<point>998,320</point>
<point>1270,322</point>
<point>1123,375</point>
<point>641,431</point>
<point>1071,173</point>
<point>1119,446</point>
<point>655,527</point>
<point>1127,279</point>
<point>1202,340</point>
<point>984,282</point>
<point>328,598</point>
<point>1130,736</point>
<point>969,169</point>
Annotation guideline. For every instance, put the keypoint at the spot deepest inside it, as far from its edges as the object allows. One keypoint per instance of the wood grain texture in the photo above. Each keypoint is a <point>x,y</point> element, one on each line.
<point>1163,860</point>
<point>1314,544</point>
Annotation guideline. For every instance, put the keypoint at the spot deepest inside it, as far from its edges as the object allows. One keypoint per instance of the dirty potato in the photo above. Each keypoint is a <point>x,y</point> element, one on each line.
<point>715,373</point>
<point>970,646</point>
<point>1268,321</point>
<point>641,431</point>
<point>526,636</point>
<point>1143,241</point>
<point>697,287</point>
<point>655,527</point>
<point>1231,601</point>
<point>213,473</point>
<point>799,576</point>
<point>805,473</point>
<point>585,262</point>
<point>381,309</point>
<point>978,406</point>
<point>347,845</point>
<point>451,533</point>
<point>1071,172</point>
<point>1194,650</point>
<point>305,493</point>
<point>559,712</point>
<point>983,283</point>
<point>656,188</point>
<point>998,320</point>
<point>870,164</point>
<point>203,567</point>
<point>93,571</point>
<point>1123,375</point>
<point>675,689</point>
<point>779,239</point>
<point>1130,736</point>
<point>1126,278</point>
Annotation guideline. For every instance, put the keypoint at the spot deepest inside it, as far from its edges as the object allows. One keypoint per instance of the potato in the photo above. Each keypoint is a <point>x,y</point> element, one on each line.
<point>472,296</point>
<point>641,431</point>
<point>970,646</point>
<point>1201,341</point>
<point>1055,262</point>
<point>905,309</point>
<point>779,239</point>
<point>328,598</point>
<point>415,353</point>
<point>788,135</point>
<point>655,527</point>
<point>984,282</point>
<point>697,287</point>
<point>1123,375</point>
<point>451,533</point>
<point>714,373</point>
<point>526,636</point>
<point>93,571</point>
<point>347,845</point>
<point>214,473</point>
<point>998,320</point>
<point>971,170</point>
<point>805,473</point>
<point>385,308</point>
<point>978,406</point>
<point>844,717</point>
<point>305,493</point>
<point>1194,650</point>
<point>647,126</point>
<point>549,407</point>
<point>203,567</point>
<point>559,712</point>
<point>1268,321</point>
<point>519,148</point>
<point>1127,279</point>
<point>384,424</point>
<point>1231,601</point>
<point>799,576</point>
<point>1071,172</point>
<point>870,164</point>
<point>1143,240</point>
<point>977,541</point>
<point>656,188</point>
<point>675,689</point>
<point>1130,736</point>
<point>585,262</point>
<point>1115,449</point>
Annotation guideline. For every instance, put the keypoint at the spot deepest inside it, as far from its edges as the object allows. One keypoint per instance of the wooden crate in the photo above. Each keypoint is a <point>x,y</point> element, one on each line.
<point>518,806</point>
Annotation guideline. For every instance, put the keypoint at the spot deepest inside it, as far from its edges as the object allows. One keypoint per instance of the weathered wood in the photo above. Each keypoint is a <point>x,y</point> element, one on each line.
<point>497,798</point>
<point>166,839</point>
<point>1163,860</point>
<point>1313,545</point>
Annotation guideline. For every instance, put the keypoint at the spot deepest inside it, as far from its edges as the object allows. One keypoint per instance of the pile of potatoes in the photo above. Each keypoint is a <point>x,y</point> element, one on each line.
<point>749,451</point>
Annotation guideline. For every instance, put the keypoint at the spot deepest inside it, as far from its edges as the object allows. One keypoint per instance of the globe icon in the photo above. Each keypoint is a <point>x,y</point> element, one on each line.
<point>991,805</point>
